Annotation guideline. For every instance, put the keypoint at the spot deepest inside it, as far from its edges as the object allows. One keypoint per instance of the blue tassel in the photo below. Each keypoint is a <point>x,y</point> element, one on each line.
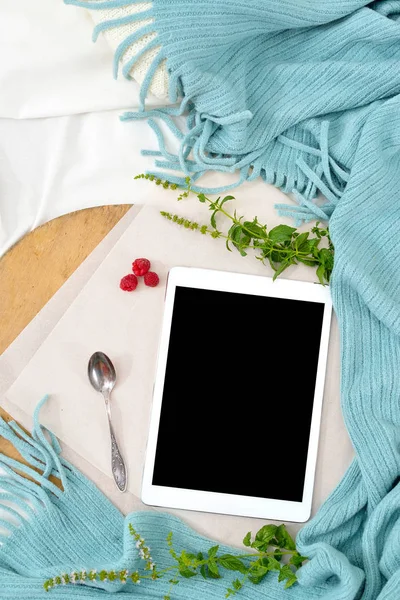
<point>144,88</point>
<point>131,39</point>
<point>141,16</point>
<point>97,5</point>
<point>132,61</point>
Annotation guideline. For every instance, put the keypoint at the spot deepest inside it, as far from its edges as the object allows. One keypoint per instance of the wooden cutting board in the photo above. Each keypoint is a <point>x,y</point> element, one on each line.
<point>35,268</point>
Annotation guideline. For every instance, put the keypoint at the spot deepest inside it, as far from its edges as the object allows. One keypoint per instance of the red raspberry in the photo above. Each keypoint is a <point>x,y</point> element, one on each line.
<point>151,279</point>
<point>141,266</point>
<point>128,283</point>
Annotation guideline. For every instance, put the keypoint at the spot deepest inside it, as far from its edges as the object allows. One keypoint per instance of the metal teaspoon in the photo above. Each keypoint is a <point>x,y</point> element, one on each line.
<point>102,376</point>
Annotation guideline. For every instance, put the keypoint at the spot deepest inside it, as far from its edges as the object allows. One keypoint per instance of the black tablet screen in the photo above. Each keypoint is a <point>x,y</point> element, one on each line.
<point>238,394</point>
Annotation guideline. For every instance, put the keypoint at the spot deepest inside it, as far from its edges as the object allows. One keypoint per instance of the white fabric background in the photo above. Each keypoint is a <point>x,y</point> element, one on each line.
<point>49,65</point>
<point>62,146</point>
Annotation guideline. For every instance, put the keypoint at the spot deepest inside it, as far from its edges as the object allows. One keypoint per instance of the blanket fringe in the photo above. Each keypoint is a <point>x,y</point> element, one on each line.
<point>98,5</point>
<point>29,495</point>
<point>194,159</point>
<point>195,155</point>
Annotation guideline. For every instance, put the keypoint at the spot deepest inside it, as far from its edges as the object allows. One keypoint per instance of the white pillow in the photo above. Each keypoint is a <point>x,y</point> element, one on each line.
<point>116,35</point>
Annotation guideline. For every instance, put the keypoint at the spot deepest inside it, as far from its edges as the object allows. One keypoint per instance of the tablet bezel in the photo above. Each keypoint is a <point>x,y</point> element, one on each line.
<point>215,502</point>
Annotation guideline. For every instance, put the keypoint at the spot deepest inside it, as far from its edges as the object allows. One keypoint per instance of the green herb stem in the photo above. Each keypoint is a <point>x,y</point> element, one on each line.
<point>282,246</point>
<point>271,544</point>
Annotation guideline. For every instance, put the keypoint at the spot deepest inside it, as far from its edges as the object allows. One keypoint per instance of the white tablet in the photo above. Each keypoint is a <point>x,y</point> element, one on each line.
<point>238,395</point>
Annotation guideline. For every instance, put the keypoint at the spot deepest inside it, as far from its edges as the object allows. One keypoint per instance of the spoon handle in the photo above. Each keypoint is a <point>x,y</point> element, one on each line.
<point>117,462</point>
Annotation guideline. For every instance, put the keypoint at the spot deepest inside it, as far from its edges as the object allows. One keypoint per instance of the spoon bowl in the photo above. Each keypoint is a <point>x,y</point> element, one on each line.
<point>101,373</point>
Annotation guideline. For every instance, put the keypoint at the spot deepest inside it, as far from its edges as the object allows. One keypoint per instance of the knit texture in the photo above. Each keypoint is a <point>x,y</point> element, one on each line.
<point>125,23</point>
<point>306,95</point>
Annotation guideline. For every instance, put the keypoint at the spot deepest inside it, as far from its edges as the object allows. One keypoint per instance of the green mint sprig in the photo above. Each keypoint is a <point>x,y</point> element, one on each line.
<point>282,246</point>
<point>273,549</point>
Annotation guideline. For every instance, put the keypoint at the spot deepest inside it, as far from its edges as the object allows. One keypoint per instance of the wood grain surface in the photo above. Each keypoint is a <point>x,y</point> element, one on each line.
<point>35,268</point>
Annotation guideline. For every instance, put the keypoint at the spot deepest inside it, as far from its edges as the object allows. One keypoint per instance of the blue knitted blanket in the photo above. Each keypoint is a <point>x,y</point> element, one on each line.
<point>306,95</point>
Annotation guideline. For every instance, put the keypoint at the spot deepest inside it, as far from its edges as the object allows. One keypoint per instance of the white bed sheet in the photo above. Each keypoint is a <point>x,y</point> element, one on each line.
<point>62,146</point>
<point>50,67</point>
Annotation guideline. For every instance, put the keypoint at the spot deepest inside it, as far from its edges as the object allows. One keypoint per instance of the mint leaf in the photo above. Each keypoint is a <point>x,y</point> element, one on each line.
<point>213,551</point>
<point>277,256</point>
<point>290,581</point>
<point>314,242</point>
<point>235,233</point>
<point>301,240</point>
<point>259,545</point>
<point>201,197</point>
<point>321,274</point>
<point>305,261</point>
<point>266,533</point>
<point>232,563</point>
<point>213,205</point>
<point>187,573</point>
<point>254,230</point>
<point>188,555</point>
<point>281,233</point>
<point>273,564</point>
<point>237,584</point>
<point>284,539</point>
<point>247,539</point>
<point>203,571</point>
<point>277,555</point>
<point>213,569</point>
<point>326,258</point>
<point>260,571</point>
<point>258,574</point>
<point>226,199</point>
<point>285,573</point>
<point>284,265</point>
<point>297,560</point>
